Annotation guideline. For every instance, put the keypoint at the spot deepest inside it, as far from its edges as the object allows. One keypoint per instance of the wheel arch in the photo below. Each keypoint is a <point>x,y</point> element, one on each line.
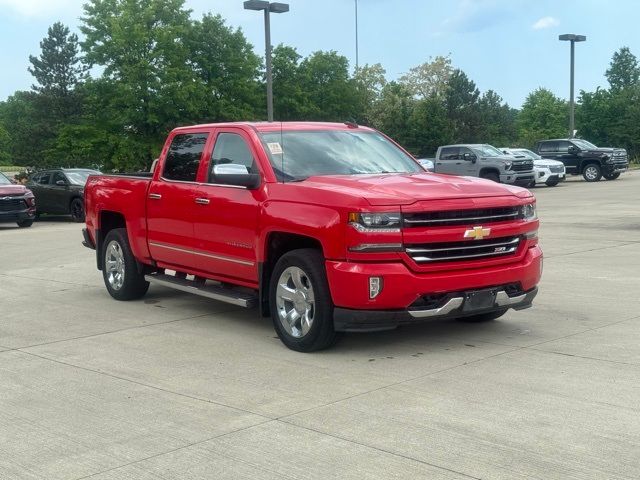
<point>107,221</point>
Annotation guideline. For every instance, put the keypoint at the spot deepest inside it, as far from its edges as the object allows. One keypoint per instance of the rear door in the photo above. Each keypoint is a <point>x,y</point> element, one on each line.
<point>449,161</point>
<point>549,150</point>
<point>171,201</point>
<point>226,217</point>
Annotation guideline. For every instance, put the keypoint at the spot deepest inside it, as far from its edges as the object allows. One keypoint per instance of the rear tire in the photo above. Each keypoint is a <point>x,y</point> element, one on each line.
<point>484,317</point>
<point>120,270</point>
<point>76,208</point>
<point>300,301</point>
<point>553,182</point>
<point>25,223</point>
<point>612,176</point>
<point>494,177</point>
<point>592,172</point>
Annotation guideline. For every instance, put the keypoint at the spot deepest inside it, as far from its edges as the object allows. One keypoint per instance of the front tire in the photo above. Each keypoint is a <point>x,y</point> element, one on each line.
<point>612,176</point>
<point>76,208</point>
<point>553,182</point>
<point>119,269</point>
<point>592,172</point>
<point>300,301</point>
<point>25,223</point>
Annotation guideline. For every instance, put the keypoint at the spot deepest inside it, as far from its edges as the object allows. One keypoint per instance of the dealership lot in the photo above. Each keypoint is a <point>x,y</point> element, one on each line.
<point>177,386</point>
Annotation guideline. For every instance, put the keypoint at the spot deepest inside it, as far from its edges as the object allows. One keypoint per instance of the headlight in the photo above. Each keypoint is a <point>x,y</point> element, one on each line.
<point>528,212</point>
<point>508,165</point>
<point>376,222</point>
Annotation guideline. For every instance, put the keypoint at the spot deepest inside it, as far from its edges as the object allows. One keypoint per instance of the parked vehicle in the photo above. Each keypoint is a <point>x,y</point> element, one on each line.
<point>326,227</point>
<point>484,161</point>
<point>584,158</point>
<point>17,203</point>
<point>61,191</point>
<point>546,171</point>
<point>427,163</point>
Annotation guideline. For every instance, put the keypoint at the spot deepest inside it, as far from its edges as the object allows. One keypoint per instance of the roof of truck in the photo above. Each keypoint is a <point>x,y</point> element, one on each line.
<point>277,126</point>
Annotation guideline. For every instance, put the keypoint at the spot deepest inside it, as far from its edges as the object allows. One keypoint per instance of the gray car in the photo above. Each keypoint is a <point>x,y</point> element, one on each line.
<point>484,161</point>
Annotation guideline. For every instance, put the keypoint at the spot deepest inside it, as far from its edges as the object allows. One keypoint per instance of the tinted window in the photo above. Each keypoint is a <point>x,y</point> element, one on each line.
<point>464,150</point>
<point>57,176</point>
<point>449,153</point>
<point>231,148</point>
<point>549,147</point>
<point>42,179</point>
<point>563,146</point>
<point>183,157</point>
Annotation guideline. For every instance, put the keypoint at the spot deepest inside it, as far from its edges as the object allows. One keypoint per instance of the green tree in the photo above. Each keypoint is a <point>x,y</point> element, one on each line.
<point>369,81</point>
<point>623,70</point>
<point>430,78</point>
<point>27,140</point>
<point>543,115</point>
<point>461,102</point>
<point>141,46</point>
<point>497,120</point>
<point>290,99</point>
<point>228,71</point>
<point>429,127</point>
<point>392,113</point>
<point>5,146</point>
<point>332,93</point>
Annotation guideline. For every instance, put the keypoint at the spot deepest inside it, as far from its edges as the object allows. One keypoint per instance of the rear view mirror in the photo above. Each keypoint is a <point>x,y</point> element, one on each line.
<point>234,174</point>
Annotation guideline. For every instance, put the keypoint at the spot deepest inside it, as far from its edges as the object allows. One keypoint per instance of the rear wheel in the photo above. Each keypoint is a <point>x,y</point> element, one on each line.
<point>25,223</point>
<point>120,270</point>
<point>494,177</point>
<point>484,317</point>
<point>300,301</point>
<point>611,176</point>
<point>77,210</point>
<point>592,172</point>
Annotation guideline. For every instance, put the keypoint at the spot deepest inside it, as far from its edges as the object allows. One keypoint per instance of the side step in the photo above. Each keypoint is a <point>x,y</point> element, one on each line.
<point>235,297</point>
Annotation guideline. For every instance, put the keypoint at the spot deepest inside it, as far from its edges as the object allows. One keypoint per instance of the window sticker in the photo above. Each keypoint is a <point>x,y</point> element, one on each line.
<point>275,148</point>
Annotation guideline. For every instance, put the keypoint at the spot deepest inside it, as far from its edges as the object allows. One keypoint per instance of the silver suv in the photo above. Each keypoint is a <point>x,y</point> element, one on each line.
<point>484,161</point>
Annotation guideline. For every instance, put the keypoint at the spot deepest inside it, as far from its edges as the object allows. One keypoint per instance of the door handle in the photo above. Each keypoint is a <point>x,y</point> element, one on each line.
<point>155,196</point>
<point>202,201</point>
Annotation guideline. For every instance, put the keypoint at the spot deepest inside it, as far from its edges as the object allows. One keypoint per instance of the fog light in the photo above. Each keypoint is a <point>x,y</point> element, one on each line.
<point>375,286</point>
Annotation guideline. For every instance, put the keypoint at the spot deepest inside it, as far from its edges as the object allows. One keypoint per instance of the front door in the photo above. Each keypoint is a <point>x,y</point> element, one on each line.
<point>469,162</point>
<point>226,220</point>
<point>571,160</point>
<point>171,202</point>
<point>59,193</point>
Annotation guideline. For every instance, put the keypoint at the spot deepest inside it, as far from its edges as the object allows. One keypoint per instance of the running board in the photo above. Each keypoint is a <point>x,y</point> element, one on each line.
<point>235,297</point>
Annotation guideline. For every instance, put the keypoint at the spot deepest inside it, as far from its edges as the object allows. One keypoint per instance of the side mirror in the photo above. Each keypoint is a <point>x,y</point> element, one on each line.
<point>470,157</point>
<point>61,183</point>
<point>234,174</point>
<point>573,149</point>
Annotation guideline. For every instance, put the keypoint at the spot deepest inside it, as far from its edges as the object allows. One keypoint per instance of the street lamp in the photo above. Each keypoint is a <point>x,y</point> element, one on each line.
<point>267,7</point>
<point>570,37</point>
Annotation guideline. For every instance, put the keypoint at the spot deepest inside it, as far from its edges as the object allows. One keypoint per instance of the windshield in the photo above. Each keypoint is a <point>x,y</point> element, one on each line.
<point>297,155</point>
<point>80,177</point>
<point>528,154</point>
<point>4,180</point>
<point>583,144</point>
<point>488,151</point>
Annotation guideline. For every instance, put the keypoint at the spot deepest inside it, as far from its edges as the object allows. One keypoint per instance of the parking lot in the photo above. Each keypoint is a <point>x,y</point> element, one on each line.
<point>177,386</point>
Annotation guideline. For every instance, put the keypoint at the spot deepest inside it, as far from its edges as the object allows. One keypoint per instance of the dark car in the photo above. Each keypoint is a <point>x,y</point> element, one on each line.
<point>61,191</point>
<point>17,203</point>
<point>584,158</point>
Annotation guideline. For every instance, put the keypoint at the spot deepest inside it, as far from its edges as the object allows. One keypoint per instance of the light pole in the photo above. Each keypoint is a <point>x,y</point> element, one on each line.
<point>573,39</point>
<point>356,34</point>
<point>267,7</point>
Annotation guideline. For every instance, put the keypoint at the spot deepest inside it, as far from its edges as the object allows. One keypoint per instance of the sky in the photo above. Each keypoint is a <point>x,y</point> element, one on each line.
<point>509,46</point>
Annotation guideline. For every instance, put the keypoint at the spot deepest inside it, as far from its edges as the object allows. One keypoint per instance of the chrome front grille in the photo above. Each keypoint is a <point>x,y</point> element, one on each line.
<point>461,217</point>
<point>556,169</point>
<point>12,204</point>
<point>466,250</point>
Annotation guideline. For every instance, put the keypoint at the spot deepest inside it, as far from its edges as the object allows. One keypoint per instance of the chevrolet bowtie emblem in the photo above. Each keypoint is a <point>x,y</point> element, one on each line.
<point>477,233</point>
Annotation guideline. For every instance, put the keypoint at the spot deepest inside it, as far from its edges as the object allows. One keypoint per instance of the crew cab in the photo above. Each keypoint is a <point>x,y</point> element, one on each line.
<point>325,227</point>
<point>584,158</point>
<point>484,161</point>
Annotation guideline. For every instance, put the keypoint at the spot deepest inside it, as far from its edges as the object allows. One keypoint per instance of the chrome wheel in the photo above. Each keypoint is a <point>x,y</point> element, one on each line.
<point>295,302</point>
<point>591,173</point>
<point>114,265</point>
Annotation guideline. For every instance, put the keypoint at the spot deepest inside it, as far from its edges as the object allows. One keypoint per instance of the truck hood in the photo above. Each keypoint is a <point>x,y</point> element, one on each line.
<point>607,150</point>
<point>13,190</point>
<point>405,189</point>
<point>546,162</point>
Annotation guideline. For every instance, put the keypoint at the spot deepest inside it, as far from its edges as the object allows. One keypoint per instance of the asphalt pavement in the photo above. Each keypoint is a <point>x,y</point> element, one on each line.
<point>180,387</point>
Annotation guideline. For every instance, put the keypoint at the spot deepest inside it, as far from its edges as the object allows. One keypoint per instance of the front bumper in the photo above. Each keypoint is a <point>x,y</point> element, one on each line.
<point>544,175</point>
<point>18,216</point>
<point>454,305</point>
<point>519,179</point>
<point>402,287</point>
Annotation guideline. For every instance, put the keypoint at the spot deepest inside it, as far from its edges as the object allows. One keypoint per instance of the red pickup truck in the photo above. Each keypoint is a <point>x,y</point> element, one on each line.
<point>327,228</point>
